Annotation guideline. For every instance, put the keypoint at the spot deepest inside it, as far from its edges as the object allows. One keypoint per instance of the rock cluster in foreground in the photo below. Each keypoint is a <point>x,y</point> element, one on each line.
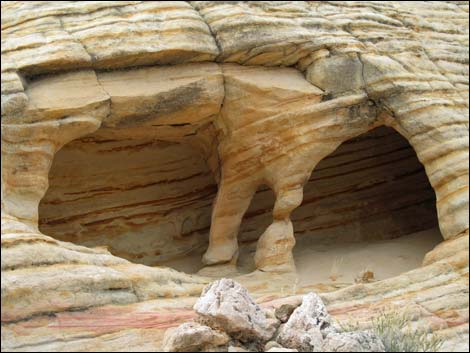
<point>230,321</point>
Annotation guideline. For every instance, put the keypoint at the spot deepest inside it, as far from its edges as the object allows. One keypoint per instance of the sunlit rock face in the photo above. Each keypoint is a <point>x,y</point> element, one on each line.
<point>138,133</point>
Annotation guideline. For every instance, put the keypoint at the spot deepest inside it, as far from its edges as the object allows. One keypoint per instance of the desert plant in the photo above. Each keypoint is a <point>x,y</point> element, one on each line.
<point>350,325</point>
<point>395,331</point>
<point>398,336</point>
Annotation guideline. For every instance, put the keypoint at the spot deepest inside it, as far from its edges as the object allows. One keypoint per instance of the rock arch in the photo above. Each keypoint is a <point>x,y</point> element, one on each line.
<point>299,134</point>
<point>401,56</point>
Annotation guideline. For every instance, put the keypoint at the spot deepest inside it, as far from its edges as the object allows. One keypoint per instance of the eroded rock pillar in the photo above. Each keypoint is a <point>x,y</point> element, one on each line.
<point>274,248</point>
<point>27,154</point>
<point>230,205</point>
<point>60,109</point>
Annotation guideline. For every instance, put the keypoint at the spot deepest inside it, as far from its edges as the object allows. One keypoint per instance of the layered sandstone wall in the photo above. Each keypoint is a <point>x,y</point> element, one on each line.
<point>149,201</point>
<point>213,82</point>
<point>146,200</point>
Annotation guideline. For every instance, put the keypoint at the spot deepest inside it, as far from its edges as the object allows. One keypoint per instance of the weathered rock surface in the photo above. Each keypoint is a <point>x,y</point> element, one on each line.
<point>92,91</point>
<point>280,349</point>
<point>284,311</point>
<point>304,328</point>
<point>308,329</point>
<point>193,337</point>
<point>236,349</point>
<point>226,305</point>
<point>272,344</point>
<point>352,342</point>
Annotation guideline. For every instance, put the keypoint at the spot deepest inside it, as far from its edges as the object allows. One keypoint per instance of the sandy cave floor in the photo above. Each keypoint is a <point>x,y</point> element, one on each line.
<point>320,263</point>
<point>338,263</point>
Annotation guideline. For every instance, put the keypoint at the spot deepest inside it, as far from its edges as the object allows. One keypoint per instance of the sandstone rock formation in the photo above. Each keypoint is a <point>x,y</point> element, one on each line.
<point>194,337</point>
<point>353,342</point>
<point>135,133</point>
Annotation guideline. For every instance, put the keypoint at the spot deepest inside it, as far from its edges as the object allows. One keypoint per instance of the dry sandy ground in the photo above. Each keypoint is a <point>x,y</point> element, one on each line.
<point>342,262</point>
<point>339,263</point>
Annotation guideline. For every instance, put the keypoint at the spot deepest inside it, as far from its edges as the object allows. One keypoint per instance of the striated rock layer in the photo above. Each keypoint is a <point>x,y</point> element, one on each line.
<point>161,193</point>
<point>143,115</point>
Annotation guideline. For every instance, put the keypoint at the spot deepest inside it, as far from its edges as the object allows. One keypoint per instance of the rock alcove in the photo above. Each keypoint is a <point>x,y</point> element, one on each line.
<point>149,201</point>
<point>145,200</point>
<point>258,96</point>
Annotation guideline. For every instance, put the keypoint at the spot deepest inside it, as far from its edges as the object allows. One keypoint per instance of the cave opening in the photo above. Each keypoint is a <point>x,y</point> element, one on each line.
<point>144,199</point>
<point>368,209</point>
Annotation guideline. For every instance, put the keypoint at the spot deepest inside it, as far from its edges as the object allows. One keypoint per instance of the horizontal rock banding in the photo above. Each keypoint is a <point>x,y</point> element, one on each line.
<point>147,201</point>
<point>360,185</point>
<point>355,66</point>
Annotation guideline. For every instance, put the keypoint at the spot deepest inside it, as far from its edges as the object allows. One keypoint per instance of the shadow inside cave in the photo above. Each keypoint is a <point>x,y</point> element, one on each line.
<point>367,206</point>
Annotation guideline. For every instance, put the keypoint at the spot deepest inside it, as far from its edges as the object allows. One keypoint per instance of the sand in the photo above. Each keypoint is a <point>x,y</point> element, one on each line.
<point>342,262</point>
<point>338,264</point>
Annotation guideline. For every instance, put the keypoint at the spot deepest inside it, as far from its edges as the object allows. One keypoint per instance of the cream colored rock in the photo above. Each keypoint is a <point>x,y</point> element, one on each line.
<point>272,344</point>
<point>353,342</point>
<point>305,328</point>
<point>261,156</point>
<point>226,305</point>
<point>236,349</point>
<point>70,35</point>
<point>193,337</point>
<point>173,152</point>
<point>280,349</point>
<point>146,128</point>
<point>56,114</point>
